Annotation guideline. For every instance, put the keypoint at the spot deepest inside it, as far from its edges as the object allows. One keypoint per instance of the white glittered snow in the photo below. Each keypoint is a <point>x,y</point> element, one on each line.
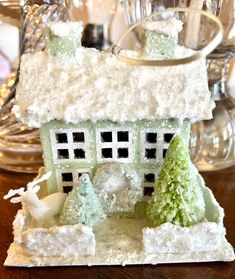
<point>119,242</point>
<point>123,241</point>
<point>96,86</point>
<point>64,29</point>
<point>170,26</point>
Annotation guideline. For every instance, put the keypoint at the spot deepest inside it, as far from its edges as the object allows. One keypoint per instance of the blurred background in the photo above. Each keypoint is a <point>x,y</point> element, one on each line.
<point>89,12</point>
<point>9,39</point>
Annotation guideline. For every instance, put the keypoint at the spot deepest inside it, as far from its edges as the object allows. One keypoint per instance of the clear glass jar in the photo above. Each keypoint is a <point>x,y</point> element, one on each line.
<point>20,147</point>
<point>212,142</point>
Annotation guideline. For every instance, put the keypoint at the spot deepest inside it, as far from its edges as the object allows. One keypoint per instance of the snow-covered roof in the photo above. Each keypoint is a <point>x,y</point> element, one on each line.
<point>96,86</point>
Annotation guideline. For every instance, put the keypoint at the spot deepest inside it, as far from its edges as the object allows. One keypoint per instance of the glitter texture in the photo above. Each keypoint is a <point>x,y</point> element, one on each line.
<point>177,197</point>
<point>118,186</point>
<point>107,89</point>
<point>63,39</point>
<point>82,205</point>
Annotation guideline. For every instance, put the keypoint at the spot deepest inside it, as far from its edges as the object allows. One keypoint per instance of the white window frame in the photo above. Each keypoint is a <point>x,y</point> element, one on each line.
<point>75,172</point>
<point>160,145</point>
<point>70,146</point>
<point>114,145</point>
<point>148,184</point>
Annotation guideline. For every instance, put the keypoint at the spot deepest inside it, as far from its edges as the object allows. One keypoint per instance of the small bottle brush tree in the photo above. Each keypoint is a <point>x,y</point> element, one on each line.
<point>82,206</point>
<point>177,196</point>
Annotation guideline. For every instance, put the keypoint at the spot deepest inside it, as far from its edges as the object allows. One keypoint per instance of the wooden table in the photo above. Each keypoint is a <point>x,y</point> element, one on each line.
<point>223,186</point>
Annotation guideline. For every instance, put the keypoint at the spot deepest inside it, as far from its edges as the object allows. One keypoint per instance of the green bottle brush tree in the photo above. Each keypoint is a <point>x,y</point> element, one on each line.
<point>177,197</point>
<point>82,205</point>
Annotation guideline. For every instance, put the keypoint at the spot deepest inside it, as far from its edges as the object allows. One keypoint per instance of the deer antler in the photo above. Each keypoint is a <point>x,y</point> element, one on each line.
<point>33,186</point>
<point>12,193</point>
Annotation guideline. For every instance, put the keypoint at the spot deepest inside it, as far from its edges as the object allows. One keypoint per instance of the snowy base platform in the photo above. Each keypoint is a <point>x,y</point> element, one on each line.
<point>119,242</point>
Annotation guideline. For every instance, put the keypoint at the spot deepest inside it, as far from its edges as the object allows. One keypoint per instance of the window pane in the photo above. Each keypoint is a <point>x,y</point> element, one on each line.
<point>123,153</point>
<point>148,191</point>
<point>67,176</point>
<point>123,136</point>
<point>164,153</point>
<point>168,137</point>
<point>61,138</point>
<point>79,153</point>
<point>106,137</point>
<point>78,137</point>
<point>107,153</point>
<point>149,177</point>
<point>63,154</point>
<point>67,189</point>
<point>151,137</point>
<point>150,153</point>
<point>81,173</point>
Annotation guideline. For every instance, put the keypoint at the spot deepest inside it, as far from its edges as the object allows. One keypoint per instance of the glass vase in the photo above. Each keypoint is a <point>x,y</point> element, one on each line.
<point>212,143</point>
<point>20,147</point>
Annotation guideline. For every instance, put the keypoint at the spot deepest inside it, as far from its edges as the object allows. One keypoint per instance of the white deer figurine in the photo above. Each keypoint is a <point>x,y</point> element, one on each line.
<point>41,211</point>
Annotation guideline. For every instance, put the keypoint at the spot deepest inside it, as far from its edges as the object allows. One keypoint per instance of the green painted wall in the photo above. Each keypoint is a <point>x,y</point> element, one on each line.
<point>163,125</point>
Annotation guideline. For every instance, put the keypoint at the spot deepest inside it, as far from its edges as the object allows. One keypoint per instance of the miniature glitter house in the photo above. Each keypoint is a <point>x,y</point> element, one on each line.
<point>104,111</point>
<point>115,121</point>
